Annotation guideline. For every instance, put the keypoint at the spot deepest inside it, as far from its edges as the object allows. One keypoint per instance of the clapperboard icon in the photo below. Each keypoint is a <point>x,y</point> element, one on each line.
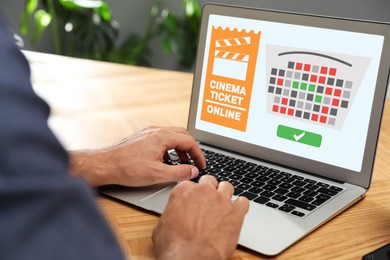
<point>231,64</point>
<point>313,86</point>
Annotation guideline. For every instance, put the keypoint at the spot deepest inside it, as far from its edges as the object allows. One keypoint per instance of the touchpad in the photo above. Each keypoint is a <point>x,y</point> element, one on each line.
<point>157,201</point>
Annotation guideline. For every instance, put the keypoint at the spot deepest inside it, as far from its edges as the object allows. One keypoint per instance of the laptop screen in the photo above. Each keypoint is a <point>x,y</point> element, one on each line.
<point>301,90</point>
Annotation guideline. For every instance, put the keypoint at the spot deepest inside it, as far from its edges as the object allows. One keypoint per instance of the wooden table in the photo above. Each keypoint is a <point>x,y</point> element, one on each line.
<point>95,104</point>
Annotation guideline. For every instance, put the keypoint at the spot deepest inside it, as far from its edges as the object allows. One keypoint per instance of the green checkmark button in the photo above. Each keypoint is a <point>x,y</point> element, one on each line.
<point>299,136</point>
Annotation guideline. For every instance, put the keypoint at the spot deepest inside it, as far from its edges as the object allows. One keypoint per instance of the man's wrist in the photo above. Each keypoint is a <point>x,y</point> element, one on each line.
<point>89,165</point>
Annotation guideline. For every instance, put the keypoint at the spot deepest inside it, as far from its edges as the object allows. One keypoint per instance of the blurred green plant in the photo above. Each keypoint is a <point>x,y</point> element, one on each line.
<point>82,28</point>
<point>86,28</point>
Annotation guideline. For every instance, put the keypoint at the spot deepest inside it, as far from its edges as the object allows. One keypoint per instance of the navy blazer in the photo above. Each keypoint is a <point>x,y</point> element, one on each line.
<point>44,213</point>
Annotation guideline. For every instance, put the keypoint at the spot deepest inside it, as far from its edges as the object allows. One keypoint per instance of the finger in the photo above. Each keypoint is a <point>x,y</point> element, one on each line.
<point>242,205</point>
<point>197,156</point>
<point>209,180</point>
<point>186,143</point>
<point>226,188</point>
<point>182,187</point>
<point>180,172</point>
<point>183,156</point>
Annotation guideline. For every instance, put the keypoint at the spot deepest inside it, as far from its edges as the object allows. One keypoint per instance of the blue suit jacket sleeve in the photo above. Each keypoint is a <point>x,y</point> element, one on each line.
<point>44,214</point>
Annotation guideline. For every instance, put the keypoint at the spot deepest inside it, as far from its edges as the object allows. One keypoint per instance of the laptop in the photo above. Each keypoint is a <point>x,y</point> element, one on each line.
<point>288,108</point>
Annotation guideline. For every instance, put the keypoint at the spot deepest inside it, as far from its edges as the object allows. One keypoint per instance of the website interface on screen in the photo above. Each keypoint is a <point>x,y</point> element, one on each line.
<point>301,90</point>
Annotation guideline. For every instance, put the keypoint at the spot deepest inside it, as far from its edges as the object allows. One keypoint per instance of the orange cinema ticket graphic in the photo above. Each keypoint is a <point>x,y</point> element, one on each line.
<point>229,78</point>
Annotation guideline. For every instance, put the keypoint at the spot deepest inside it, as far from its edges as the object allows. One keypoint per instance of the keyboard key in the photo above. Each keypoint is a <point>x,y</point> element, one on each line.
<point>262,173</point>
<point>257,184</point>
<point>297,213</point>
<point>214,170</point>
<point>323,184</point>
<point>270,170</point>
<point>318,202</point>
<point>221,178</point>
<point>274,182</point>
<point>262,178</point>
<point>254,165</point>
<point>240,172</point>
<point>210,163</point>
<point>229,169</point>
<point>202,172</point>
<point>310,193</point>
<point>287,179</point>
<point>310,181</point>
<point>246,180</point>
<point>336,188</point>
<point>279,197</point>
<point>276,176</point>
<point>261,200</point>
<point>299,183</point>
<point>234,183</point>
<point>267,194</point>
<point>298,177</point>
<point>281,191</point>
<point>223,160</point>
<point>262,167</point>
<point>286,186</point>
<point>251,175</point>
<point>235,177</point>
<point>249,195</point>
<point>249,168</point>
<point>272,205</point>
<point>231,164</point>
<point>293,195</point>
<point>237,192</point>
<point>298,189</point>
<point>312,187</point>
<point>306,198</point>
<point>323,197</point>
<point>327,191</point>
<point>269,187</point>
<point>256,190</point>
<point>224,173</point>
<point>244,186</point>
<point>285,174</point>
<point>300,204</point>
<point>286,208</point>
<point>240,166</point>
<point>241,161</point>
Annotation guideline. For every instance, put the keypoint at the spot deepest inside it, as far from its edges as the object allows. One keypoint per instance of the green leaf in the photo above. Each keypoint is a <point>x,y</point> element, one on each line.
<point>169,20</point>
<point>166,44</point>
<point>104,12</point>
<point>192,8</point>
<point>42,21</point>
<point>28,10</point>
<point>24,25</point>
<point>155,8</point>
<point>31,6</point>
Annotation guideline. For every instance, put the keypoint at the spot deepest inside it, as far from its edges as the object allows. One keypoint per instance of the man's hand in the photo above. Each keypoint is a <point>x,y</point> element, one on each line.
<point>138,160</point>
<point>200,221</point>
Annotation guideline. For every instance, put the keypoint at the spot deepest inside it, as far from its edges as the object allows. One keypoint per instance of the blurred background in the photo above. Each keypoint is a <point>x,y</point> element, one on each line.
<point>156,33</point>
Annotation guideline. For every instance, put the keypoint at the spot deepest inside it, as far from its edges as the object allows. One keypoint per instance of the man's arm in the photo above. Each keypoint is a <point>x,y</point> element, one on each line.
<point>138,160</point>
<point>45,214</point>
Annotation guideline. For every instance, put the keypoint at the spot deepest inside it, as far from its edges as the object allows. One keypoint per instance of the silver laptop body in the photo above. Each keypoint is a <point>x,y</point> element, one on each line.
<point>298,93</point>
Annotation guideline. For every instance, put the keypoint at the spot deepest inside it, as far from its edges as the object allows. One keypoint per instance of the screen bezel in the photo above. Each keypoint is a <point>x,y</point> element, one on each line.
<point>361,178</point>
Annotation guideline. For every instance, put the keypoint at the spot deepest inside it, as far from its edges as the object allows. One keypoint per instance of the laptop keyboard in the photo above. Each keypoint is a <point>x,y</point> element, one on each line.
<point>281,190</point>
